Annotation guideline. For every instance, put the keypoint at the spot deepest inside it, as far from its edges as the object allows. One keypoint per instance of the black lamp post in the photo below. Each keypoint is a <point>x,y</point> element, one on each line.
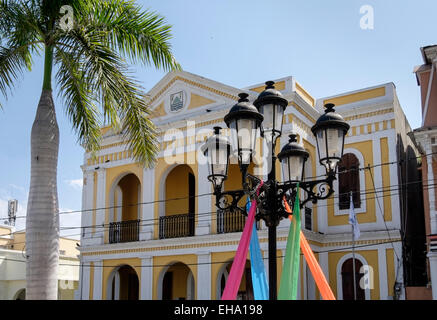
<point>244,119</point>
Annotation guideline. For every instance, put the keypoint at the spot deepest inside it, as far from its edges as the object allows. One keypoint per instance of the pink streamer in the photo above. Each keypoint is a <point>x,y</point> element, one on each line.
<point>237,269</point>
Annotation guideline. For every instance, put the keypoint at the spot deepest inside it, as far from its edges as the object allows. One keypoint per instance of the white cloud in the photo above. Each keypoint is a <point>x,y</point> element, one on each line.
<point>75,183</point>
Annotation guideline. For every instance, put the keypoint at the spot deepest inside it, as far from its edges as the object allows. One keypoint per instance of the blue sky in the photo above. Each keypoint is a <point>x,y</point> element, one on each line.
<point>239,43</point>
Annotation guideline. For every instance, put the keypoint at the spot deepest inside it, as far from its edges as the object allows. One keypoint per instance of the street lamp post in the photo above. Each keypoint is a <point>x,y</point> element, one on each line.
<point>266,113</point>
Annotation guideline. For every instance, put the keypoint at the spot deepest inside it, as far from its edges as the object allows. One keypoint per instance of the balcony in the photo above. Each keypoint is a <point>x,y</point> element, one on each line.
<point>124,231</point>
<point>231,221</point>
<point>176,226</point>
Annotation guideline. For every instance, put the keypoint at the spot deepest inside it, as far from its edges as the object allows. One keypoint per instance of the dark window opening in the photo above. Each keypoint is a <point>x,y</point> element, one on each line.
<point>349,181</point>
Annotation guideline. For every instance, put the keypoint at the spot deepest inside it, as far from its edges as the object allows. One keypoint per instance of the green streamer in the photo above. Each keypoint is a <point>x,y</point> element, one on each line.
<point>290,271</point>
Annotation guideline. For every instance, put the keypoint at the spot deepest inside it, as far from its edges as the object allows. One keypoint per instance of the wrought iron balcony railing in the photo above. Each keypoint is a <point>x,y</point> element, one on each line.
<point>176,226</point>
<point>231,221</point>
<point>124,231</point>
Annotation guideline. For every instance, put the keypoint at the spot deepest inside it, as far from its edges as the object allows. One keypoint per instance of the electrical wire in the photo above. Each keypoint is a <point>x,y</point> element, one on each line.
<point>212,262</point>
<point>210,193</point>
<point>207,214</point>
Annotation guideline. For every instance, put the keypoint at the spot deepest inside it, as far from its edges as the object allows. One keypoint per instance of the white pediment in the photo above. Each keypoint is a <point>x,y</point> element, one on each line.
<point>180,94</point>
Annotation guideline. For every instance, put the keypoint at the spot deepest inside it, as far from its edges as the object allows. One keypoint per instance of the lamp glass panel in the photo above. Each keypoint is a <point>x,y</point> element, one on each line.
<point>267,111</point>
<point>296,166</point>
<point>234,135</point>
<point>219,159</point>
<point>292,167</point>
<point>285,170</point>
<point>335,142</point>
<point>279,114</point>
<point>246,138</point>
<point>321,142</point>
<point>330,143</point>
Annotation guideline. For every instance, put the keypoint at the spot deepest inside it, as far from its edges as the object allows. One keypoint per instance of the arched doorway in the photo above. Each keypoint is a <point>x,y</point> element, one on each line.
<point>178,283</point>
<point>124,222</point>
<point>245,292</point>
<point>348,282</point>
<point>123,284</point>
<point>130,188</point>
<point>20,295</point>
<point>178,219</point>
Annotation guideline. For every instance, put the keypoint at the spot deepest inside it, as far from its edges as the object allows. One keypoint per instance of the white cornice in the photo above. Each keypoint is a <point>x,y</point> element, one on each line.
<point>211,241</point>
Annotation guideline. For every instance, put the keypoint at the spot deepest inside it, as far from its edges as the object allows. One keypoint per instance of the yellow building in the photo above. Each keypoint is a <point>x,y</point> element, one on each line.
<point>156,233</point>
<point>13,265</point>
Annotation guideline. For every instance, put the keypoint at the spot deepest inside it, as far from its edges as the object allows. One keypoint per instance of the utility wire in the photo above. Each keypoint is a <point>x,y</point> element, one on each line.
<point>338,195</point>
<point>210,193</point>
<point>207,214</point>
<point>212,262</point>
<point>381,211</point>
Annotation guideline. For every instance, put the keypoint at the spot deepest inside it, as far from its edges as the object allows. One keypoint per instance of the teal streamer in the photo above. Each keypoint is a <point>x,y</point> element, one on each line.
<point>259,278</point>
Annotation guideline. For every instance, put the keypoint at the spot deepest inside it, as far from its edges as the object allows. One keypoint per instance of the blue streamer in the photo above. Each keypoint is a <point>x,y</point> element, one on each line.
<point>259,278</point>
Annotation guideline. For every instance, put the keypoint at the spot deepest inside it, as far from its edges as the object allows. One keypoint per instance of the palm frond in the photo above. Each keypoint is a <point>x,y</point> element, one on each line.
<point>120,95</point>
<point>19,37</point>
<point>142,36</point>
<point>81,110</point>
<point>13,61</point>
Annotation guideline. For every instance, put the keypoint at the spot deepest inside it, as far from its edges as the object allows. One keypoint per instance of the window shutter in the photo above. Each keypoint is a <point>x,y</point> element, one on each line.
<point>349,180</point>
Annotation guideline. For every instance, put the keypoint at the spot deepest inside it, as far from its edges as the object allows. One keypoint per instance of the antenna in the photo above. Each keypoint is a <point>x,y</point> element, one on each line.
<point>12,211</point>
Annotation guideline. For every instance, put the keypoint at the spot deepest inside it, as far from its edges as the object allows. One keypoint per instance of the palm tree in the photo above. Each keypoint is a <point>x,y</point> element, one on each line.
<point>85,41</point>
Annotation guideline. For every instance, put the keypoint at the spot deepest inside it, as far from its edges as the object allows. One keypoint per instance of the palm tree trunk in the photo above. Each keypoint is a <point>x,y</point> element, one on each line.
<point>42,221</point>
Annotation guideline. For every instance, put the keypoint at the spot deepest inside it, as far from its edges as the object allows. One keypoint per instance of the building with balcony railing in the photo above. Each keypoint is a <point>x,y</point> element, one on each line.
<point>157,234</point>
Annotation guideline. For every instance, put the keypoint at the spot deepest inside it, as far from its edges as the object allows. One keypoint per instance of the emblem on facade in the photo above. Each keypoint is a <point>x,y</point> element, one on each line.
<point>177,101</point>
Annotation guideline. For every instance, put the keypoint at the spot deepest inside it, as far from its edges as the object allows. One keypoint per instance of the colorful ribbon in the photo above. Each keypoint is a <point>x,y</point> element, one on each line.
<point>237,269</point>
<point>259,278</point>
<point>290,271</point>
<point>316,270</point>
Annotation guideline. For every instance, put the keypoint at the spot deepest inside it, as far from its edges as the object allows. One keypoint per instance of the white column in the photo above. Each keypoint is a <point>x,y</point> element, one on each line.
<point>324,265</point>
<point>394,180</point>
<point>382,272</point>
<point>377,176</point>
<point>311,285</point>
<point>431,194</point>
<point>85,281</point>
<point>98,278</point>
<point>399,267</point>
<point>432,256</point>
<point>203,276</point>
<point>304,277</point>
<point>87,205</point>
<point>203,221</point>
<point>146,287</point>
<point>148,207</point>
<point>100,204</point>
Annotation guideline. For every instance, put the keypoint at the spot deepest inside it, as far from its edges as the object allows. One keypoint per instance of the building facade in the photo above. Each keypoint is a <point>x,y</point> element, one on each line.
<point>156,233</point>
<point>13,265</point>
<point>426,137</point>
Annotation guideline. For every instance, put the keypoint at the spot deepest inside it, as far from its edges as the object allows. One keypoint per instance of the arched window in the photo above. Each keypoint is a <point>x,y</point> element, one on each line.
<point>349,180</point>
